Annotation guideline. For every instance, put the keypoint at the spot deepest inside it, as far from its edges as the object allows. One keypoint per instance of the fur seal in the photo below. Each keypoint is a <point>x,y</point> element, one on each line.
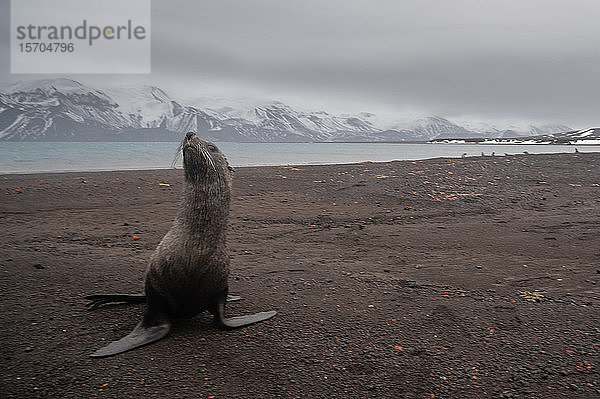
<point>188,272</point>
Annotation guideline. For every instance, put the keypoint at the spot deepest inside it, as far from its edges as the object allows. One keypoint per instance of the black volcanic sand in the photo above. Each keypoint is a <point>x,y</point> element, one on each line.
<point>392,280</point>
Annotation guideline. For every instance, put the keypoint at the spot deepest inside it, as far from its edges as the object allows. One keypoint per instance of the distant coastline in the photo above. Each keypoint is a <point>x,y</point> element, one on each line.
<point>593,142</point>
<point>475,141</point>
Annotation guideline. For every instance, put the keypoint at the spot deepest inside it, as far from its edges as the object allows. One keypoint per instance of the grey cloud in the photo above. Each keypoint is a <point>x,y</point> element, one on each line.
<point>509,59</point>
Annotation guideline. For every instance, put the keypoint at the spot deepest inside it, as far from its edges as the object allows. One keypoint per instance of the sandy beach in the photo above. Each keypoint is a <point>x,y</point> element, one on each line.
<point>442,278</point>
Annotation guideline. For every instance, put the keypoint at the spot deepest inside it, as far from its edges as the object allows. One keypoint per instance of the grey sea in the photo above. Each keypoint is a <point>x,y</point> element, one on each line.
<point>35,157</point>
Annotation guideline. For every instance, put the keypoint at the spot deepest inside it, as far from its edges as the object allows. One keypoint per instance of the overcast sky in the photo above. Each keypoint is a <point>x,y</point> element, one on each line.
<point>496,60</point>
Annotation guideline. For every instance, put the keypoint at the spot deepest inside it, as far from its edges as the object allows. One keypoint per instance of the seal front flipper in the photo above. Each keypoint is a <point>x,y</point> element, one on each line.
<point>238,321</point>
<point>101,299</point>
<point>141,335</point>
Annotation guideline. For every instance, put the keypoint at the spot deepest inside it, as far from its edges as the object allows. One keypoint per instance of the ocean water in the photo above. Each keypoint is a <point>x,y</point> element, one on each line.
<point>34,157</point>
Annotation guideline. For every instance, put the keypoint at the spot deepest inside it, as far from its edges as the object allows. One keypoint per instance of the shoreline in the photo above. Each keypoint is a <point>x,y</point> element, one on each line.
<point>433,141</point>
<point>294,164</point>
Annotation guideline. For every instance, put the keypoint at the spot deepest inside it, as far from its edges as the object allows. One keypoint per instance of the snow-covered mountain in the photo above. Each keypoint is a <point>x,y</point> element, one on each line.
<point>59,109</point>
<point>486,129</point>
<point>590,136</point>
<point>584,136</point>
<point>64,109</point>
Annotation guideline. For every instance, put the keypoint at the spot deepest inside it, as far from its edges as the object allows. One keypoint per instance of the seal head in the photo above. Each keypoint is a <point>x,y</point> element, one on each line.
<point>203,162</point>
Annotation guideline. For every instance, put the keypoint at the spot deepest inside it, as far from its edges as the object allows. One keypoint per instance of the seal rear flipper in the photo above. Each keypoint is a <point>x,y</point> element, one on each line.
<point>101,299</point>
<point>239,321</point>
<point>141,335</point>
<point>233,298</point>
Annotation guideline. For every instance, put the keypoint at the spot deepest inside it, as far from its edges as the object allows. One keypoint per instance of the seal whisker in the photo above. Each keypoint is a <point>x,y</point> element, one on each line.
<point>177,155</point>
<point>209,159</point>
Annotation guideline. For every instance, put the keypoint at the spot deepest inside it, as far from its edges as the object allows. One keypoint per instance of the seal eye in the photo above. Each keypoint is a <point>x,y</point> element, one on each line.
<point>212,148</point>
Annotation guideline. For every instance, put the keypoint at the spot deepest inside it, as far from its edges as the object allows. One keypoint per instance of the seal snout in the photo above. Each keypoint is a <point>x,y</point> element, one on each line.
<point>189,137</point>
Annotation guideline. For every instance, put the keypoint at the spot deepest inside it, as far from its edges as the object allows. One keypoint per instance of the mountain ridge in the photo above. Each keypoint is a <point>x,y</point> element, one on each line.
<point>67,110</point>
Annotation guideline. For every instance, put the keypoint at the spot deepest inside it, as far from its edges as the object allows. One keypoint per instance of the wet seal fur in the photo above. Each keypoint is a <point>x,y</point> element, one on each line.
<point>188,272</point>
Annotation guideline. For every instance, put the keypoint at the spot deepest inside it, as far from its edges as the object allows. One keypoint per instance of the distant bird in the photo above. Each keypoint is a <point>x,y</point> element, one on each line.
<point>576,150</point>
<point>525,152</point>
<point>493,154</point>
<point>463,155</point>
